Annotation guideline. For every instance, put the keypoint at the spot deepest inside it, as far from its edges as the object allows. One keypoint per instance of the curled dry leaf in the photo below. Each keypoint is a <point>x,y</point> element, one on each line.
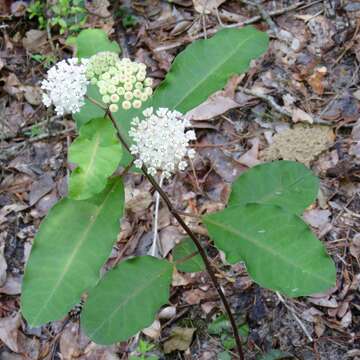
<point>153,331</point>
<point>194,296</point>
<point>167,313</point>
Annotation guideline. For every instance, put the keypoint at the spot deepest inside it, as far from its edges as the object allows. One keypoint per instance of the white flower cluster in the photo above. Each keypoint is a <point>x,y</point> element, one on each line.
<point>119,80</point>
<point>65,86</point>
<point>161,141</point>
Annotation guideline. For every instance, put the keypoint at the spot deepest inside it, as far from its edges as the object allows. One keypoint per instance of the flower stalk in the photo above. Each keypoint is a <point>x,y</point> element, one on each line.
<point>196,241</point>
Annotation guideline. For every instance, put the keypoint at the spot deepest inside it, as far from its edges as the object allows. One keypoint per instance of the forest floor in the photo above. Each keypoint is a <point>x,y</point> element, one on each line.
<point>300,102</point>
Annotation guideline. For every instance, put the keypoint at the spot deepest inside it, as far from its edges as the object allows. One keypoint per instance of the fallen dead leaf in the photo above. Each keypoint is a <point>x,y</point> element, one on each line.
<point>98,7</point>
<point>32,94</point>
<point>9,331</point>
<point>153,331</point>
<point>12,285</point>
<point>180,339</point>
<point>316,80</point>
<point>317,218</point>
<point>217,104</point>
<point>169,237</point>
<point>194,296</point>
<point>167,313</point>
<point>34,39</point>
<point>71,346</point>
<point>251,157</point>
<point>355,247</point>
<point>207,6</point>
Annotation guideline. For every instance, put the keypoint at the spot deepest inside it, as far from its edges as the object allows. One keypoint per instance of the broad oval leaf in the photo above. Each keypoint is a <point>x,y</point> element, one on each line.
<point>279,250</point>
<point>97,152</point>
<point>186,257</point>
<point>72,244</point>
<point>127,299</point>
<point>91,41</point>
<point>288,184</point>
<point>201,69</point>
<point>206,65</point>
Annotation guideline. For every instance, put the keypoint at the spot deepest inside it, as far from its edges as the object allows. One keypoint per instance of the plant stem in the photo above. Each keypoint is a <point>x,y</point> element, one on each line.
<point>153,251</point>
<point>197,243</point>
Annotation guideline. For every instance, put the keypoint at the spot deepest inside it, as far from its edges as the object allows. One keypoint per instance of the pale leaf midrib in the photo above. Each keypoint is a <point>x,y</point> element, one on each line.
<point>205,78</point>
<point>132,295</point>
<point>264,248</point>
<point>75,251</point>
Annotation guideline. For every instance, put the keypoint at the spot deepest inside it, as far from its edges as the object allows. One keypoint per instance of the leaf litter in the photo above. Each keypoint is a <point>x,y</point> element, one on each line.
<point>309,75</point>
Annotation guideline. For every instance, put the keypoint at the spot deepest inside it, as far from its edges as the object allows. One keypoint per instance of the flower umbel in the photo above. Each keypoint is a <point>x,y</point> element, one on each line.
<point>119,81</point>
<point>161,141</point>
<point>65,86</point>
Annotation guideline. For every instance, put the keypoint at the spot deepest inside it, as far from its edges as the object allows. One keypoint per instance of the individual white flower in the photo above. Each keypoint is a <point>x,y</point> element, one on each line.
<point>65,86</point>
<point>125,78</point>
<point>161,141</point>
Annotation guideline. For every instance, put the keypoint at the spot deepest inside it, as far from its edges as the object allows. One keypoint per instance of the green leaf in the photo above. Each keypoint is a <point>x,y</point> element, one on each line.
<point>91,41</point>
<point>206,65</point>
<point>202,68</point>
<point>127,299</point>
<point>186,257</point>
<point>278,248</point>
<point>72,244</point>
<point>288,184</point>
<point>97,153</point>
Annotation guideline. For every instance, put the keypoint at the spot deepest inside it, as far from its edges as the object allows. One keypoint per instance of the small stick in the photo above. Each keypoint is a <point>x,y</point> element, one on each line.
<point>292,311</point>
<point>252,20</point>
<point>197,243</point>
<point>153,250</point>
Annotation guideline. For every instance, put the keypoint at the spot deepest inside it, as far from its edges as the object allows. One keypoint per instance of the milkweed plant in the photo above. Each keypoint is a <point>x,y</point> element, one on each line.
<point>121,121</point>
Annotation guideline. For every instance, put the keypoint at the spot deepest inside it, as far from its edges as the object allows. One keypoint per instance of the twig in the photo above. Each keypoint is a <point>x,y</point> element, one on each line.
<point>210,32</point>
<point>197,243</point>
<point>264,14</point>
<point>292,311</point>
<point>280,109</point>
<point>153,250</point>
<point>6,152</point>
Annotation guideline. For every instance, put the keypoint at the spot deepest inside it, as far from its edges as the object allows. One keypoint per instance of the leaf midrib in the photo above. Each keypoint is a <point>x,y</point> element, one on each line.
<point>264,248</point>
<point>75,252</point>
<point>132,295</point>
<point>204,79</point>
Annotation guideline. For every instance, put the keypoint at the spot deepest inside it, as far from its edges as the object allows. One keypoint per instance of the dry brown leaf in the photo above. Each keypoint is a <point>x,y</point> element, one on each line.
<point>251,157</point>
<point>194,296</point>
<point>153,331</point>
<point>215,105</point>
<point>34,39</point>
<point>180,339</point>
<point>9,331</point>
<point>98,7</point>
<point>169,237</point>
<point>12,285</point>
<point>325,301</point>
<point>207,6</point>
<point>317,218</point>
<point>316,80</point>
<point>32,94</point>
<point>167,313</point>
<point>355,247</point>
